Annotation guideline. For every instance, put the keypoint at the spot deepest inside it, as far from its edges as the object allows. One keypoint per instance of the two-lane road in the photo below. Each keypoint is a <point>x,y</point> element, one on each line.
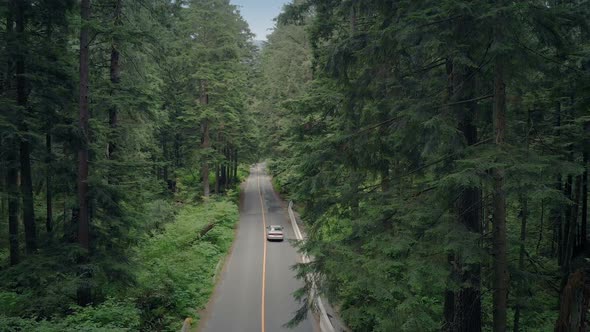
<point>254,293</point>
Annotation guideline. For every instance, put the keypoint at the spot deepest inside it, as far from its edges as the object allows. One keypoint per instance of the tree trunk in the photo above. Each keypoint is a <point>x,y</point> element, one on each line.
<point>48,155</point>
<point>13,206</point>
<point>222,177</point>
<point>574,303</point>
<point>564,229</point>
<point>84,293</point>
<point>500,246</point>
<point>28,201</point>
<point>11,176</point>
<point>83,222</point>
<point>556,214</point>
<point>217,178</point>
<point>584,225</point>
<point>541,223</point>
<point>226,166</point>
<point>520,291</point>
<point>235,164</point>
<point>115,73</point>
<point>449,304</point>
<point>570,227</point>
<point>205,141</point>
<point>49,189</point>
<point>229,165</point>
<point>465,315</point>
<point>25,150</point>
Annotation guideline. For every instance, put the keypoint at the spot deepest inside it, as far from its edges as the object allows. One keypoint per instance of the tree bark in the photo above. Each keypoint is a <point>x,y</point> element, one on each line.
<point>449,304</point>
<point>230,167</point>
<point>48,154</point>
<point>557,212</point>
<point>465,314</point>
<point>83,221</point>
<point>28,201</point>
<point>84,292</point>
<point>11,176</point>
<point>468,298</point>
<point>235,164</point>
<point>500,246</point>
<point>25,150</point>
<point>541,223</point>
<point>520,292</point>
<point>115,76</point>
<point>524,216</point>
<point>13,206</point>
<point>574,303</point>
<point>226,166</point>
<point>584,225</point>
<point>48,184</point>
<point>205,141</point>
<point>217,178</point>
<point>564,229</point>
<point>570,227</point>
<point>177,143</point>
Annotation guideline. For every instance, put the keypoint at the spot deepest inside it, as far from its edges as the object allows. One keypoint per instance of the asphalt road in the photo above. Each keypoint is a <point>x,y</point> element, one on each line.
<point>250,286</point>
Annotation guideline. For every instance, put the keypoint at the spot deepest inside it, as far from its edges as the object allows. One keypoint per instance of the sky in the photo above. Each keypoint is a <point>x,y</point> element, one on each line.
<point>260,14</point>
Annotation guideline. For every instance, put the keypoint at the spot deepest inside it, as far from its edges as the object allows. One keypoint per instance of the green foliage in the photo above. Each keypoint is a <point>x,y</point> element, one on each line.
<point>173,278</point>
<point>388,147</point>
<point>146,62</point>
<point>108,316</point>
<point>158,213</point>
<point>176,267</point>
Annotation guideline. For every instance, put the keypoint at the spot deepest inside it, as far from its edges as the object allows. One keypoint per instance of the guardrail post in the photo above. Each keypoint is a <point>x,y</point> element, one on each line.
<point>186,326</point>
<point>325,323</point>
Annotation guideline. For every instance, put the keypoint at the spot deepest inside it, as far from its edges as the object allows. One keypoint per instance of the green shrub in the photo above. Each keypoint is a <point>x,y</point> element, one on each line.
<point>176,271</point>
<point>158,213</point>
<point>173,277</point>
<point>243,172</point>
<point>108,316</point>
<point>12,303</point>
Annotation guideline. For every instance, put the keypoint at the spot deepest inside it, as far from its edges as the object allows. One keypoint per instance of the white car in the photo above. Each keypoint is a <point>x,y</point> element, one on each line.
<point>274,233</point>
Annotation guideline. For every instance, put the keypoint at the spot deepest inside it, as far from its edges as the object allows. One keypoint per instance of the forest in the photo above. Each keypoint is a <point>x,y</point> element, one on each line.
<point>124,129</point>
<point>437,152</point>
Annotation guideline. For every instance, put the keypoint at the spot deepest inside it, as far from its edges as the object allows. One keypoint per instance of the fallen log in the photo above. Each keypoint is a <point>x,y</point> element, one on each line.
<point>206,230</point>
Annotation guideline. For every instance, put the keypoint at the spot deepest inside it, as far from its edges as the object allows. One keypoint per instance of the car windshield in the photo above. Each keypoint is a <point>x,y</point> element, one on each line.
<point>276,228</point>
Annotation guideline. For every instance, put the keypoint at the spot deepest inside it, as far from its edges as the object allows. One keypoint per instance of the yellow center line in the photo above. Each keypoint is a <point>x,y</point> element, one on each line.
<point>263,253</point>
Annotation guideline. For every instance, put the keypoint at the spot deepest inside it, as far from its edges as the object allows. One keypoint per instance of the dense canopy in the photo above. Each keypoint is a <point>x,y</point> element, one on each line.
<point>437,152</point>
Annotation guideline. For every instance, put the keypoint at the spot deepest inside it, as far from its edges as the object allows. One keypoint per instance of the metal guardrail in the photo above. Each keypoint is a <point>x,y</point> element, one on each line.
<point>325,322</point>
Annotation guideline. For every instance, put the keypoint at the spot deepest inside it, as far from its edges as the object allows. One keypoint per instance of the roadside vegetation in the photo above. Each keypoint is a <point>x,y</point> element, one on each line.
<point>439,152</point>
<point>124,131</point>
<point>172,272</point>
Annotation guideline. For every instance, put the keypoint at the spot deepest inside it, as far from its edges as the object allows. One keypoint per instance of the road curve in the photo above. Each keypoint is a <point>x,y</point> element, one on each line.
<point>237,303</point>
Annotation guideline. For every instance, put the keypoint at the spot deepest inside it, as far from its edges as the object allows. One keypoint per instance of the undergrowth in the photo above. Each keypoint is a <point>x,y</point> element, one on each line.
<point>173,278</point>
